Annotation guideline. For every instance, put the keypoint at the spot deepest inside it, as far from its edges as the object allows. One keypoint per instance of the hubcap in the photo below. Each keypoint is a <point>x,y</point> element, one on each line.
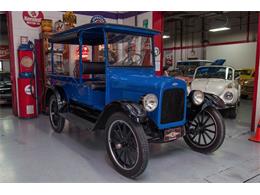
<point>123,144</point>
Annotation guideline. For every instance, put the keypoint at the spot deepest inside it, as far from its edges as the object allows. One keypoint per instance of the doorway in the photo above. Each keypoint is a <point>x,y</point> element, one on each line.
<point>7,70</point>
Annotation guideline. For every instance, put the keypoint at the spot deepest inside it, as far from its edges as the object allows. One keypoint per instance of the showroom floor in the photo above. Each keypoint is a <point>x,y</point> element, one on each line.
<point>31,152</point>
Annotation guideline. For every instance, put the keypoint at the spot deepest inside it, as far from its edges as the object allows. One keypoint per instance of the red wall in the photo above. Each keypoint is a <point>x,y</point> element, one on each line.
<point>158,24</point>
<point>256,96</point>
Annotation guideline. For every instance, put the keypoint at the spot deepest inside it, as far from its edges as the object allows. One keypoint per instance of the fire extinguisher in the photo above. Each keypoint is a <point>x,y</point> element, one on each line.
<point>28,99</point>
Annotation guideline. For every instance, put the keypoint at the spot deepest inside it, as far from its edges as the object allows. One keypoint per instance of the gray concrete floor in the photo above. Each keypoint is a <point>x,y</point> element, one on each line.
<point>31,152</point>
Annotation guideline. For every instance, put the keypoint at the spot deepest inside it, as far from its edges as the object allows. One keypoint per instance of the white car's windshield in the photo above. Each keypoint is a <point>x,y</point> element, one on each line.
<point>211,72</point>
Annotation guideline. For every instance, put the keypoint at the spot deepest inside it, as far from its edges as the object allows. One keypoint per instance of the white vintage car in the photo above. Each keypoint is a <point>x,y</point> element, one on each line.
<point>221,81</point>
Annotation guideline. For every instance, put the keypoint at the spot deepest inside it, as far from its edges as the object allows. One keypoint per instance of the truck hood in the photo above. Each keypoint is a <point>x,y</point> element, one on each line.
<point>213,86</point>
<point>145,83</point>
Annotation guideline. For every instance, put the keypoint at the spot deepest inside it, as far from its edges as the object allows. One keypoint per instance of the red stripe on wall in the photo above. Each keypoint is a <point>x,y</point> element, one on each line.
<point>209,45</point>
<point>158,24</point>
<point>255,97</point>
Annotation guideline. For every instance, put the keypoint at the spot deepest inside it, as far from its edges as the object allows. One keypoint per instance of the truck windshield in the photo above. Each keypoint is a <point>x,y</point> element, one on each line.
<point>129,50</point>
<point>211,72</point>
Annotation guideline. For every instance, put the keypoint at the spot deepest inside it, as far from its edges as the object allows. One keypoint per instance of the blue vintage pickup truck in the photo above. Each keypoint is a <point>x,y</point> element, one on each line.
<point>124,97</point>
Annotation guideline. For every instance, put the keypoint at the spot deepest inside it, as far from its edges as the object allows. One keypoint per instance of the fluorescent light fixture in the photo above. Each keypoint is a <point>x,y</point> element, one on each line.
<point>219,29</point>
<point>166,36</point>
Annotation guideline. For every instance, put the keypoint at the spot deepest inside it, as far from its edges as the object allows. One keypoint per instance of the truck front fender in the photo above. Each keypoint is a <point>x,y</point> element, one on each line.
<point>134,110</point>
<point>210,100</point>
<point>60,95</point>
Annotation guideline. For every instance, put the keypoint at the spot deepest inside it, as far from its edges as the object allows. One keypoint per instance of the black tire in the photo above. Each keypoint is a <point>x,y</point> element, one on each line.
<point>232,112</point>
<point>201,128</point>
<point>127,145</point>
<point>57,122</point>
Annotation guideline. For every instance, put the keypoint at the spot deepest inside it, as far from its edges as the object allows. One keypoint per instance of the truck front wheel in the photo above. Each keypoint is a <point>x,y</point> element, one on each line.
<point>206,132</point>
<point>127,145</point>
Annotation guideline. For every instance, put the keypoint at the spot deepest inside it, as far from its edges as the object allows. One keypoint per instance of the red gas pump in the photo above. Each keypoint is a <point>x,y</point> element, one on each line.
<point>26,82</point>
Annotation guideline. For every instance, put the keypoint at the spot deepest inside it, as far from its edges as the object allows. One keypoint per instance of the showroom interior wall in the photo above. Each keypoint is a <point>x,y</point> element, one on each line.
<point>20,28</point>
<point>139,19</point>
<point>237,55</point>
<point>239,42</point>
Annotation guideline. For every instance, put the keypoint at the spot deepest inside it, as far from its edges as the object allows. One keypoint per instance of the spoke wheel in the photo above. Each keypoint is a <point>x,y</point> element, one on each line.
<point>57,122</point>
<point>127,145</point>
<point>123,144</point>
<point>206,132</point>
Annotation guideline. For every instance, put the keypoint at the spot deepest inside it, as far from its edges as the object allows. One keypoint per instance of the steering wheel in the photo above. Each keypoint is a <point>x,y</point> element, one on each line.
<point>134,59</point>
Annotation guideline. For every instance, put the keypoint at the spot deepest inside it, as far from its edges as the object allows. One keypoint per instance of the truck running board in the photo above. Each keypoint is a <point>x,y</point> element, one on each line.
<point>78,121</point>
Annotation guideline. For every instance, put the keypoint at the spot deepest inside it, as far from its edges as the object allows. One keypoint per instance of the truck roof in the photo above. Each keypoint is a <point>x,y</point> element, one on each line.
<point>93,33</point>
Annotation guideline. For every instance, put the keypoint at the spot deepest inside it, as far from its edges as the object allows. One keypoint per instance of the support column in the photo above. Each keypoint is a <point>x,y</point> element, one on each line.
<point>256,97</point>
<point>158,24</point>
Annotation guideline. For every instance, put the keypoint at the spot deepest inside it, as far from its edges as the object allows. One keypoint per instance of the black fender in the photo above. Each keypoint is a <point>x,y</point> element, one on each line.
<point>134,110</point>
<point>60,95</point>
<point>210,100</point>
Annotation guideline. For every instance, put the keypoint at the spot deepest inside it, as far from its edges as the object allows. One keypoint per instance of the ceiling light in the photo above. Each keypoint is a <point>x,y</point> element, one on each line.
<point>219,29</point>
<point>166,36</point>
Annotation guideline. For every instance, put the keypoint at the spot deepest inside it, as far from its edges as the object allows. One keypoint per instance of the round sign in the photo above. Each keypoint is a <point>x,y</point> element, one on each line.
<point>156,51</point>
<point>26,62</point>
<point>28,90</point>
<point>98,19</point>
<point>33,18</point>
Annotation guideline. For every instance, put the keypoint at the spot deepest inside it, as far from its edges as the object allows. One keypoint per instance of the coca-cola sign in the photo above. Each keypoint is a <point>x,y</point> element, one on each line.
<point>4,52</point>
<point>33,18</point>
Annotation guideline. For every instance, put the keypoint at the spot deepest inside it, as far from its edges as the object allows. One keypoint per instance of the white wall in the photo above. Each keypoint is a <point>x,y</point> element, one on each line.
<point>144,16</point>
<point>20,28</point>
<point>140,18</point>
<point>237,55</point>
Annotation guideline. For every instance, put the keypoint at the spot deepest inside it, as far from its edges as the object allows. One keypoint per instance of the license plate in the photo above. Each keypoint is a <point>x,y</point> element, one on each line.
<point>173,134</point>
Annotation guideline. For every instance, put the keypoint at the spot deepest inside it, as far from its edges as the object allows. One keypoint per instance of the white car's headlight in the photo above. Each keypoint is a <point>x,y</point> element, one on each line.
<point>228,95</point>
<point>198,97</point>
<point>150,102</point>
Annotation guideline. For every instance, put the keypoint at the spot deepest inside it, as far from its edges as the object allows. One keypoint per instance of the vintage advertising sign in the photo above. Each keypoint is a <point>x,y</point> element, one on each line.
<point>4,52</point>
<point>98,19</point>
<point>33,18</point>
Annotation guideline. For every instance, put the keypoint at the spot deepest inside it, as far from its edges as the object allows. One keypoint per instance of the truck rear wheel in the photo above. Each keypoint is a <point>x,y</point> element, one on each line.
<point>206,132</point>
<point>57,121</point>
<point>127,145</point>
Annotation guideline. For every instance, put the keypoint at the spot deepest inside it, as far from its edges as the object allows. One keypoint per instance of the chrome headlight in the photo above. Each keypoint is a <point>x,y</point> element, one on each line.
<point>198,97</point>
<point>228,95</point>
<point>150,102</point>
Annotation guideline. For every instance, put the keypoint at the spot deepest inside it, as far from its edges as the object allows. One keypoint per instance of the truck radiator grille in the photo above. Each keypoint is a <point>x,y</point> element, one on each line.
<point>172,105</point>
